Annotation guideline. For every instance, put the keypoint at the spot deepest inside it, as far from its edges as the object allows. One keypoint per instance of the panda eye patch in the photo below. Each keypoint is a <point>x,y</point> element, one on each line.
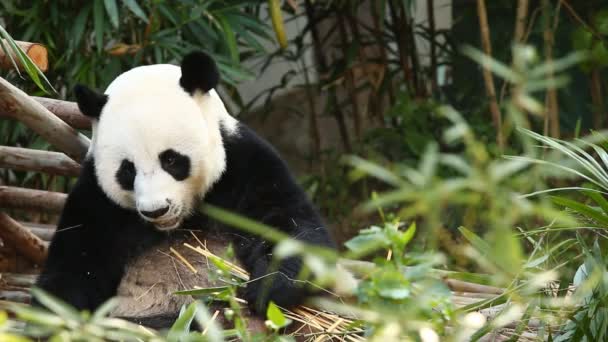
<point>175,163</point>
<point>125,176</point>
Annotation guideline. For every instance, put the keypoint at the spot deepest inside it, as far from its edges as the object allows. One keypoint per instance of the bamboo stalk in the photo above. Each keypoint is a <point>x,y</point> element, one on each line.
<point>350,79</point>
<point>26,243</point>
<point>24,159</point>
<point>322,66</point>
<point>520,21</point>
<point>36,52</point>
<point>487,75</point>
<point>66,111</point>
<point>17,105</point>
<point>29,199</point>
<point>597,98</point>
<point>552,114</point>
<point>430,8</point>
<point>399,27</point>
<point>315,136</point>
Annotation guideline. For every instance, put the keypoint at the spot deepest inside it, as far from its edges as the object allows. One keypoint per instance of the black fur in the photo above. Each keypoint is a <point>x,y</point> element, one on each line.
<point>89,101</point>
<point>199,72</point>
<point>96,238</point>
<point>125,176</point>
<point>175,163</point>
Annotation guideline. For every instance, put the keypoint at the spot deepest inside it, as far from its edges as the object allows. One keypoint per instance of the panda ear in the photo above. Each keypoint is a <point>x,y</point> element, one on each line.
<point>199,72</point>
<point>89,101</point>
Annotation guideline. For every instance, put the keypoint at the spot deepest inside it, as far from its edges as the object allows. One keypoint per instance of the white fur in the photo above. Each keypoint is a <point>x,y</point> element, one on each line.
<point>147,113</point>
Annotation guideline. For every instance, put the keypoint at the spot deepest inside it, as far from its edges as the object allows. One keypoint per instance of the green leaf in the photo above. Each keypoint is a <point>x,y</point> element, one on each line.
<point>112,10</point>
<point>203,292</point>
<point>582,209</point>
<point>403,238</point>
<point>374,170</point>
<point>79,27</point>
<point>98,23</point>
<point>181,327</point>
<point>56,305</point>
<point>475,240</point>
<point>392,284</point>
<point>134,7</point>
<point>599,199</point>
<point>105,309</point>
<point>276,317</point>
<point>230,38</point>
<point>364,244</point>
<point>29,66</point>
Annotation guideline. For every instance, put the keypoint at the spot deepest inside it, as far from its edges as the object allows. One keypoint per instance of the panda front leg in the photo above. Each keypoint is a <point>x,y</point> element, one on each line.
<point>272,279</point>
<point>79,269</point>
<point>278,284</point>
<point>91,246</point>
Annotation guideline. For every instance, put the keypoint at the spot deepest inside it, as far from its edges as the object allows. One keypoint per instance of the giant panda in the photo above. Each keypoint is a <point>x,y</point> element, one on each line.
<point>162,144</point>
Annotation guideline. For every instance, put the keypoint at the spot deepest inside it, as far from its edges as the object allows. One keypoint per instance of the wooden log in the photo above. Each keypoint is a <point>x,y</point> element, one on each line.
<point>24,159</point>
<point>18,280</point>
<point>16,104</point>
<point>66,111</point>
<point>44,231</point>
<point>36,52</point>
<point>30,199</point>
<point>15,296</point>
<point>26,243</point>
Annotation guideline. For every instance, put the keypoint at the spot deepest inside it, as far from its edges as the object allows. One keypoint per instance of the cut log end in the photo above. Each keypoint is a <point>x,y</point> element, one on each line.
<point>36,52</point>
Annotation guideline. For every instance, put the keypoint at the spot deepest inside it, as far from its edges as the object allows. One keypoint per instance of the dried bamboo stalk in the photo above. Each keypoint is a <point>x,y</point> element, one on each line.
<point>26,243</point>
<point>30,199</point>
<point>16,104</point>
<point>36,52</point>
<point>24,159</point>
<point>520,21</point>
<point>487,75</point>
<point>463,286</point>
<point>66,111</point>
<point>551,103</point>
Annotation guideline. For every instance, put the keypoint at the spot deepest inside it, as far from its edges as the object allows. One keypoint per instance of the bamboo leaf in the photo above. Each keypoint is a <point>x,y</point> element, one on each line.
<point>56,305</point>
<point>181,327</point>
<point>230,38</point>
<point>476,241</point>
<point>112,10</point>
<point>582,209</point>
<point>134,7</point>
<point>276,317</point>
<point>98,23</point>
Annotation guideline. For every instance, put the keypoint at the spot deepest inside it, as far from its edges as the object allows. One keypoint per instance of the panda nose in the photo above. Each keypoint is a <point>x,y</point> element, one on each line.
<point>155,213</point>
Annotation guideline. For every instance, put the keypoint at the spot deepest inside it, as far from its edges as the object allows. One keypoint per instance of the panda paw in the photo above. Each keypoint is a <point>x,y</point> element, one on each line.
<point>280,287</point>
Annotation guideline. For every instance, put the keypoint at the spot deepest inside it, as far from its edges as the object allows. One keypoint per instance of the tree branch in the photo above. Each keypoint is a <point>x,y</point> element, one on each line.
<point>24,159</point>
<point>30,199</point>
<point>66,111</point>
<point>16,104</point>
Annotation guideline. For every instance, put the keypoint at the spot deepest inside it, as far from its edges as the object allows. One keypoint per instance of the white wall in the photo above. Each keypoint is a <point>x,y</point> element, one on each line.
<point>272,76</point>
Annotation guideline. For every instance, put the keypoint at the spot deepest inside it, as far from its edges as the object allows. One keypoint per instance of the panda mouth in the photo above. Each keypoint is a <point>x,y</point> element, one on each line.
<point>167,224</point>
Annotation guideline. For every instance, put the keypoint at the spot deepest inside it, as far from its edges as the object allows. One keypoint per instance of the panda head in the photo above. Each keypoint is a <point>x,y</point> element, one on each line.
<point>157,146</point>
